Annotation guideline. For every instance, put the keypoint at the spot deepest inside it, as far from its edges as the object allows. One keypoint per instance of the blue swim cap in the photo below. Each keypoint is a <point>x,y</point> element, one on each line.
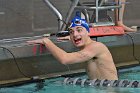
<point>77,21</point>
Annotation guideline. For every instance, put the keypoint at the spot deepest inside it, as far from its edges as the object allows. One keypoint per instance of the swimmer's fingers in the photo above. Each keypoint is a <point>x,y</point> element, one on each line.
<point>63,38</point>
<point>37,41</point>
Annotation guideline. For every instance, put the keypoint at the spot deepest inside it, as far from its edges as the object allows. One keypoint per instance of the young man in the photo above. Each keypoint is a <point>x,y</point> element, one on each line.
<point>99,61</point>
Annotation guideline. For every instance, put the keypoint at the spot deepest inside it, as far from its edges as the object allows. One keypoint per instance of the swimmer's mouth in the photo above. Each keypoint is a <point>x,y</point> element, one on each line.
<point>78,40</point>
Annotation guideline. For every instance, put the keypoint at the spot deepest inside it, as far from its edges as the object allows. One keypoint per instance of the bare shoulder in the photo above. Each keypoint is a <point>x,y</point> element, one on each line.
<point>98,45</point>
<point>94,49</point>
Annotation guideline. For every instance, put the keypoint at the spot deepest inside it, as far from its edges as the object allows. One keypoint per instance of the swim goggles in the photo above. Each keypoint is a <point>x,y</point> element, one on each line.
<point>77,21</point>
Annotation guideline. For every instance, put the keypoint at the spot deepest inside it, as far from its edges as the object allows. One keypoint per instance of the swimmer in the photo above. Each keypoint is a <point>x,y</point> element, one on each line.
<point>99,61</point>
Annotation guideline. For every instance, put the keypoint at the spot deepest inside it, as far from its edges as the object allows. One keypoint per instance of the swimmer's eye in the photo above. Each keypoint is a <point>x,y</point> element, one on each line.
<point>79,30</point>
<point>71,31</point>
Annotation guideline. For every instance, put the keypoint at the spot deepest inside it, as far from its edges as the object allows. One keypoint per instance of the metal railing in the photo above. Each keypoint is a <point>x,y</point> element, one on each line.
<point>74,6</point>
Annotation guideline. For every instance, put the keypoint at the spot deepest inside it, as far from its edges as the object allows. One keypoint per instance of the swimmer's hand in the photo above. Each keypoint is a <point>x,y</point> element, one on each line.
<point>63,38</point>
<point>37,41</point>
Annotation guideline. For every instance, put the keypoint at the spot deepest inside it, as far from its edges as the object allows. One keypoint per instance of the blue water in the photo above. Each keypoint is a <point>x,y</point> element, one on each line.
<point>55,85</point>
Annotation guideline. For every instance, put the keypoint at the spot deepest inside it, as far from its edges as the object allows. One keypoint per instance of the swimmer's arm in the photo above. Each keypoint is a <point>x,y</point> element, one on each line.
<point>70,58</point>
<point>64,57</point>
<point>57,52</point>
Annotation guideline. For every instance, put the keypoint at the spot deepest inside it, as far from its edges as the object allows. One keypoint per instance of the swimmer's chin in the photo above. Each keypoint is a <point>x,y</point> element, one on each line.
<point>80,45</point>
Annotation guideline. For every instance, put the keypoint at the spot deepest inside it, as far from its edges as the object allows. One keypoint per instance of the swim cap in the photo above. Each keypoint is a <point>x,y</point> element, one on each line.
<point>77,21</point>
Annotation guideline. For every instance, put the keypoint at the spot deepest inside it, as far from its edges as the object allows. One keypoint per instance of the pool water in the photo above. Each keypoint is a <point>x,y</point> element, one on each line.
<point>132,73</point>
<point>55,85</point>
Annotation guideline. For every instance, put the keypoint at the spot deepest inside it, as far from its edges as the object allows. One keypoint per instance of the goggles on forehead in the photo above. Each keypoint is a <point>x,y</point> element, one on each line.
<point>77,21</point>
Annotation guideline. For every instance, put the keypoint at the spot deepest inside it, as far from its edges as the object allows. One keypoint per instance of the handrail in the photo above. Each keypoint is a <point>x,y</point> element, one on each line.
<point>99,8</point>
<point>57,13</point>
<point>70,11</point>
<point>73,6</point>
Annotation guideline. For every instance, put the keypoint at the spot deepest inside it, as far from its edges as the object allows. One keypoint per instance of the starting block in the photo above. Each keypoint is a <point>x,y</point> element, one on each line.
<point>106,31</point>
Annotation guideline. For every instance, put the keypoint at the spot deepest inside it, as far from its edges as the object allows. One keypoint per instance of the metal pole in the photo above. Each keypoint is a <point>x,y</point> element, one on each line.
<point>56,12</point>
<point>97,10</point>
<point>72,7</point>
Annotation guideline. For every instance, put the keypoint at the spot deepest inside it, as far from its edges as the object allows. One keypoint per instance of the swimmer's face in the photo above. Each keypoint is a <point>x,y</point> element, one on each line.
<point>79,36</point>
